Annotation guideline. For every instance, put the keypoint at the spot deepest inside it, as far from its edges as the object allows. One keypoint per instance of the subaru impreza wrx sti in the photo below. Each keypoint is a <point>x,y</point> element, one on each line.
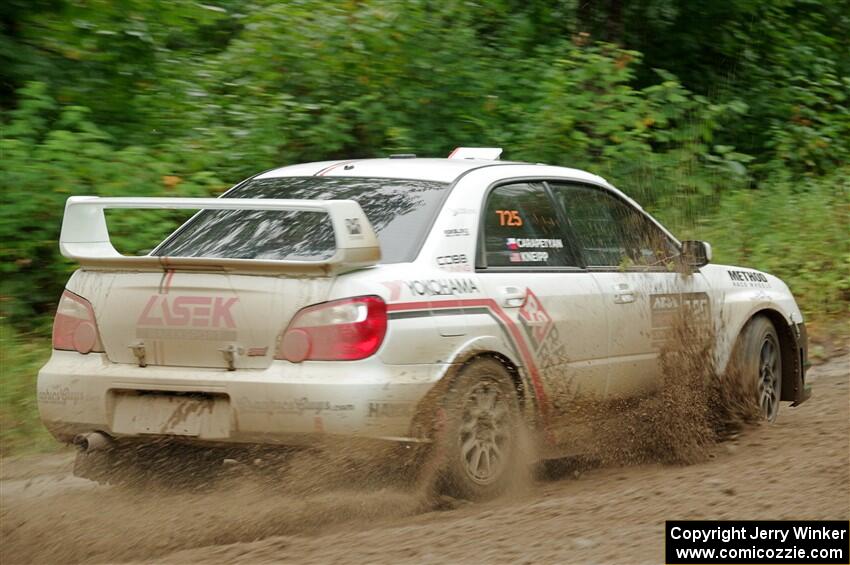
<point>372,298</point>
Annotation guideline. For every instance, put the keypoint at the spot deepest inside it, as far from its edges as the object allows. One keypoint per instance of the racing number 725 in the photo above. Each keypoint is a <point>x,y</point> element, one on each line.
<point>509,218</point>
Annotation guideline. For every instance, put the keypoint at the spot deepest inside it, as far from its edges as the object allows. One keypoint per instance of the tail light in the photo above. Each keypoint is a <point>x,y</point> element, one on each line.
<point>74,328</point>
<point>340,330</point>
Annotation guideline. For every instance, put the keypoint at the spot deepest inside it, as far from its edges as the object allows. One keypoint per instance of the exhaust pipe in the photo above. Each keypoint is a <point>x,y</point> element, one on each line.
<point>93,441</point>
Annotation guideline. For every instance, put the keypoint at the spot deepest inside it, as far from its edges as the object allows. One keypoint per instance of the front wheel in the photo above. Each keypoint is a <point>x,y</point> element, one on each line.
<point>480,445</point>
<point>759,358</point>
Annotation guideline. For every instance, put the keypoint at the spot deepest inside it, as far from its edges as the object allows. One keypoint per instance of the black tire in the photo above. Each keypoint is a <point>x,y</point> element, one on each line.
<point>480,448</point>
<point>758,359</point>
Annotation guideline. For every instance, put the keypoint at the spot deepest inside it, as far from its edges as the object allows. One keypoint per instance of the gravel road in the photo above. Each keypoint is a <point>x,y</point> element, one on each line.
<point>797,468</point>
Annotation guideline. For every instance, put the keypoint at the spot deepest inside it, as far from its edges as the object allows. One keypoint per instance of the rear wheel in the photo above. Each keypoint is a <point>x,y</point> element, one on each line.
<point>480,445</point>
<point>759,359</point>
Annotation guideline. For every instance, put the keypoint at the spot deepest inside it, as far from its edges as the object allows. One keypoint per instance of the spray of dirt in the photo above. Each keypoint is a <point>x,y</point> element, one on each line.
<point>314,491</point>
<point>694,408</point>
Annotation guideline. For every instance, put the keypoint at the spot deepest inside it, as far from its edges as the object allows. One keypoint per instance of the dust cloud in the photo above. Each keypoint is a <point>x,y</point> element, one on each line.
<point>306,492</point>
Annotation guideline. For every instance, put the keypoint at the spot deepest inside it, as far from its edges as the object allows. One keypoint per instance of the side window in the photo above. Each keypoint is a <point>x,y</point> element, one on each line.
<point>522,230</point>
<point>610,232</point>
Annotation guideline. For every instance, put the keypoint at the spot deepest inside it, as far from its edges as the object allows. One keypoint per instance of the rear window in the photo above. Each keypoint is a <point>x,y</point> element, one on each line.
<point>401,211</point>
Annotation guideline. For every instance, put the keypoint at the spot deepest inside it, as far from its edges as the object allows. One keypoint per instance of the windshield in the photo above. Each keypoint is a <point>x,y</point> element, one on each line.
<point>401,211</point>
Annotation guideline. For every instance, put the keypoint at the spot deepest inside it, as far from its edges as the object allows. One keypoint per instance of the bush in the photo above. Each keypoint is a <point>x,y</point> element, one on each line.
<point>794,230</point>
<point>53,152</point>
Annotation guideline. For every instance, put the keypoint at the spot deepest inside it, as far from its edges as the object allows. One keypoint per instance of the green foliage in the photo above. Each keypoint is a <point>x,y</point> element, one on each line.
<point>655,141</point>
<point>21,355</point>
<point>51,152</point>
<point>797,231</point>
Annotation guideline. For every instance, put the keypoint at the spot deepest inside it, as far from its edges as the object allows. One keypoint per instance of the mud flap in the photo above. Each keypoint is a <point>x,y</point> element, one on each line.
<point>794,381</point>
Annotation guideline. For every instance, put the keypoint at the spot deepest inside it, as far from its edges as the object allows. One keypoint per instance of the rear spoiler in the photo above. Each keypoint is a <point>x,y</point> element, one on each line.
<point>85,237</point>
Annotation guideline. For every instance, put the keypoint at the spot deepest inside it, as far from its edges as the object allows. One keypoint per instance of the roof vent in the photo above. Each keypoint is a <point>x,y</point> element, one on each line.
<point>491,153</point>
<point>403,156</point>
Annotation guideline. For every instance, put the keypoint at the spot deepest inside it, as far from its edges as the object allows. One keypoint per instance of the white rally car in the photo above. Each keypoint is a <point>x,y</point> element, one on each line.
<point>373,298</point>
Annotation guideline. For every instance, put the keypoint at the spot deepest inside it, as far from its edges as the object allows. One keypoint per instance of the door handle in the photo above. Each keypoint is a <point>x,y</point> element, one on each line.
<point>512,296</point>
<point>623,294</point>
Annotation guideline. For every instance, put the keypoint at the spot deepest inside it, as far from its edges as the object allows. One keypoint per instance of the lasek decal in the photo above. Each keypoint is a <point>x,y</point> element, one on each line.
<point>514,243</point>
<point>188,311</point>
<point>748,279</point>
<point>456,232</point>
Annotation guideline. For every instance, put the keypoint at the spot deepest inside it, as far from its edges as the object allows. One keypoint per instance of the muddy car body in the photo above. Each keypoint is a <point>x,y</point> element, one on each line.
<point>350,298</point>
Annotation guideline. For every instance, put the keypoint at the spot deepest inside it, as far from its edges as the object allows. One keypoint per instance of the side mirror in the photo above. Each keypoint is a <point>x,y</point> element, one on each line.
<point>696,253</point>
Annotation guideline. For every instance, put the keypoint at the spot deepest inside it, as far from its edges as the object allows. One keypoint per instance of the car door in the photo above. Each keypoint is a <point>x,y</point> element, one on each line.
<point>528,265</point>
<point>635,264</point>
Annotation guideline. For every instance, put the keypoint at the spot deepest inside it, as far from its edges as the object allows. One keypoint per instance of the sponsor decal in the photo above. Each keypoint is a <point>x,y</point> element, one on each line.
<point>514,243</point>
<point>292,406</point>
<point>191,311</point>
<point>666,307</point>
<point>353,226</point>
<point>432,287</point>
<point>257,351</point>
<point>395,289</point>
<point>542,333</point>
<point>552,344</point>
<point>529,257</point>
<point>535,319</point>
<point>441,287</point>
<point>190,334</point>
<point>748,279</point>
<point>459,259</point>
<point>59,395</point>
<point>389,410</point>
<point>456,262</point>
<point>456,232</point>
<point>510,218</point>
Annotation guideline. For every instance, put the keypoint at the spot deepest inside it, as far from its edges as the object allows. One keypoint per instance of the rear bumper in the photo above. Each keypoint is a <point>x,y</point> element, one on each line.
<point>286,404</point>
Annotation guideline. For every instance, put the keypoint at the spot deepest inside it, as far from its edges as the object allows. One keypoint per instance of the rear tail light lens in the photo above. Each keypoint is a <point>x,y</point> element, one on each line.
<point>341,330</point>
<point>74,327</point>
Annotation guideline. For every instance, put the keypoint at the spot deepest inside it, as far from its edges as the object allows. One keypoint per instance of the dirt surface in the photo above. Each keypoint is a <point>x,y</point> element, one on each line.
<point>325,512</point>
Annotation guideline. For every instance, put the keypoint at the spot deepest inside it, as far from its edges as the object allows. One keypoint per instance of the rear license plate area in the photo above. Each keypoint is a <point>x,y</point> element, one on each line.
<point>178,414</point>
